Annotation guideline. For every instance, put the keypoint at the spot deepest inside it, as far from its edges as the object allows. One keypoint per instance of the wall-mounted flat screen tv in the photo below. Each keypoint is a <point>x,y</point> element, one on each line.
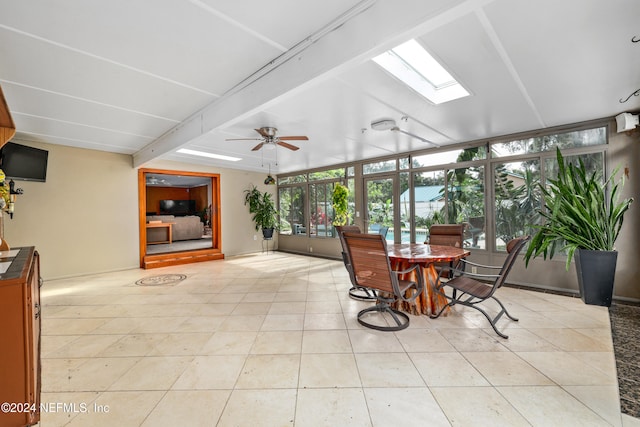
<point>177,207</point>
<point>24,163</point>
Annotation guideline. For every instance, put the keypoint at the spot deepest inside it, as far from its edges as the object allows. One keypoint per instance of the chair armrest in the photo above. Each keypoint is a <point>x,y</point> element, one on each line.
<point>496,267</point>
<point>408,270</point>
<point>419,284</point>
<point>458,272</point>
<point>481,276</point>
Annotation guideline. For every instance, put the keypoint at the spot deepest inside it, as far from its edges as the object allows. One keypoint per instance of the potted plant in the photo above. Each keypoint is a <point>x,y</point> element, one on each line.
<point>584,219</point>
<point>339,200</point>
<point>263,209</point>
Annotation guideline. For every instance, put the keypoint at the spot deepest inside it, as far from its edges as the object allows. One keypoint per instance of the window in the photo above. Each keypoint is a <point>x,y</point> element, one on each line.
<point>405,211</point>
<point>320,210</point>
<point>517,194</point>
<point>453,156</point>
<point>326,174</point>
<point>351,185</point>
<point>292,179</point>
<point>403,163</point>
<point>291,201</point>
<point>576,139</point>
<point>517,200</point>
<point>594,162</point>
<point>444,187</point>
<point>415,67</point>
<point>377,167</point>
<point>428,201</point>
<point>452,196</point>
<point>465,203</point>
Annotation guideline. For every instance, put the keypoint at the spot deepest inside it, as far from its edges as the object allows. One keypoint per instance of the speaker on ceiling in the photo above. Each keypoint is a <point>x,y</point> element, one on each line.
<point>626,121</point>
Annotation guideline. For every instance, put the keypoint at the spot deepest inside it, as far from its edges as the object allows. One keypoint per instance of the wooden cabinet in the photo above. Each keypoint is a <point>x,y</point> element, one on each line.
<point>19,337</point>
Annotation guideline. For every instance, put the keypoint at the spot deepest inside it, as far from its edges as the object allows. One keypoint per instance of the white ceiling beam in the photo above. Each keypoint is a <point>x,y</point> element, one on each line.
<point>364,34</point>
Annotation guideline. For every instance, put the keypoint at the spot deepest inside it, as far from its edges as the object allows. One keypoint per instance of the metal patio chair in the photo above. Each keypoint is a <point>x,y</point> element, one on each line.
<point>372,269</point>
<point>356,292</point>
<point>471,289</point>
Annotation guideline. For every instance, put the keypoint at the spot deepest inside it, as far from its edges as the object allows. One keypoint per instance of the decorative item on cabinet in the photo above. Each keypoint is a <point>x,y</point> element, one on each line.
<point>8,191</point>
<point>8,195</point>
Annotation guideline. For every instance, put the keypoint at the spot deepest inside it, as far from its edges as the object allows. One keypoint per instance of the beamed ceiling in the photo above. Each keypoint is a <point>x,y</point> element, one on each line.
<point>149,77</point>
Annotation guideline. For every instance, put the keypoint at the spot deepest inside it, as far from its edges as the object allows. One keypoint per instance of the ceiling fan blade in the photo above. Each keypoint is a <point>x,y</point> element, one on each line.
<point>293,138</point>
<point>257,147</point>
<point>243,139</point>
<point>289,146</point>
<point>262,132</point>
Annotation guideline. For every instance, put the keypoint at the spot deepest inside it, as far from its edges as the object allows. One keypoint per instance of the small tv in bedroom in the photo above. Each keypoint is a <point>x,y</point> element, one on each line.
<point>24,163</point>
<point>177,207</point>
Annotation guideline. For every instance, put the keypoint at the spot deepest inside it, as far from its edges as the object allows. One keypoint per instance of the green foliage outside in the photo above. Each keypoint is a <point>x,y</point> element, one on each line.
<point>516,207</point>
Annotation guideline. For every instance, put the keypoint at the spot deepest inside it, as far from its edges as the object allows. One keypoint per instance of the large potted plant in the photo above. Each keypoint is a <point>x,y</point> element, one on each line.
<point>263,209</point>
<point>582,215</point>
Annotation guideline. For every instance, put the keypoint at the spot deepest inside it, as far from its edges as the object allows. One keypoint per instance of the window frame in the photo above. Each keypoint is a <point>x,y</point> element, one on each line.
<point>354,170</point>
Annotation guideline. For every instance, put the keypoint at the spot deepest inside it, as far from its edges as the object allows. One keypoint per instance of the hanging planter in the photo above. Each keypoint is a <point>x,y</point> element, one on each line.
<point>340,202</point>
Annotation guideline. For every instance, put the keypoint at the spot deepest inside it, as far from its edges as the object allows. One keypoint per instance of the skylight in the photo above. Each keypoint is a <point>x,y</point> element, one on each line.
<point>413,65</point>
<point>210,155</point>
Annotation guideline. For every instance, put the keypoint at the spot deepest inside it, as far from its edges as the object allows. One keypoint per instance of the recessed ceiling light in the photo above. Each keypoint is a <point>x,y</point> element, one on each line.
<point>210,155</point>
<point>415,67</point>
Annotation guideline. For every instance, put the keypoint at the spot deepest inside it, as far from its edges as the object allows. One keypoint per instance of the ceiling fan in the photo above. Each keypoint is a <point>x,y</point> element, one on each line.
<point>270,139</point>
<point>154,180</point>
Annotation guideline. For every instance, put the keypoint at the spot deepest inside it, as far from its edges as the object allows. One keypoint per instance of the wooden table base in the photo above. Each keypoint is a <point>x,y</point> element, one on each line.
<point>430,301</point>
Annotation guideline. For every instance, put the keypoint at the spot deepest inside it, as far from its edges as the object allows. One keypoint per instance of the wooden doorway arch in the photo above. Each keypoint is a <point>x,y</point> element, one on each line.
<point>181,256</point>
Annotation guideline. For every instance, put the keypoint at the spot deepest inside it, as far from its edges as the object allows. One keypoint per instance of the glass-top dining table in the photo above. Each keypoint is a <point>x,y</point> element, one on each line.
<point>405,255</point>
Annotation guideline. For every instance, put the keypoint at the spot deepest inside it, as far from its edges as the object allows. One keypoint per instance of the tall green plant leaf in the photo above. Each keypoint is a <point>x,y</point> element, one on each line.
<point>579,212</point>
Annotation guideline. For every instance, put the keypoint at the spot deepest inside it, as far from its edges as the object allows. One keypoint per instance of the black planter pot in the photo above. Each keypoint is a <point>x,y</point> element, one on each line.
<point>596,275</point>
<point>267,233</point>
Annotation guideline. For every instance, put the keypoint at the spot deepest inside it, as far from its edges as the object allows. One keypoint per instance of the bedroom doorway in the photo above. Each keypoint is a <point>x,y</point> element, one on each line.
<point>179,217</point>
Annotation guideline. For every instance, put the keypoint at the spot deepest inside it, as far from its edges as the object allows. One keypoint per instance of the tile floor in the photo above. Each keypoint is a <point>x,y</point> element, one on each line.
<point>272,340</point>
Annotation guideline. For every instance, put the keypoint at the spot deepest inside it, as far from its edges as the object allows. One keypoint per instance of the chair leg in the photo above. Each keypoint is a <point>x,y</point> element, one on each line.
<point>435,316</point>
<point>400,318</point>
<point>363,294</point>
<point>504,309</point>
<point>492,321</point>
<point>467,303</point>
<point>452,300</point>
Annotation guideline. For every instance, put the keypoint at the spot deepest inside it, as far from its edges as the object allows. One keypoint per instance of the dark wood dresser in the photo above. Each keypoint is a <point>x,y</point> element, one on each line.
<point>19,337</point>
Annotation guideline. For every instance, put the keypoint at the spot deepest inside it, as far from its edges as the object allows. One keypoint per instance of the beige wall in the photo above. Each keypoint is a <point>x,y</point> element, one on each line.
<point>84,219</point>
<point>624,151</point>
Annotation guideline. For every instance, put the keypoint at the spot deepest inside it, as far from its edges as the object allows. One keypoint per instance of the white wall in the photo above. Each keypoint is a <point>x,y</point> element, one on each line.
<point>84,219</point>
